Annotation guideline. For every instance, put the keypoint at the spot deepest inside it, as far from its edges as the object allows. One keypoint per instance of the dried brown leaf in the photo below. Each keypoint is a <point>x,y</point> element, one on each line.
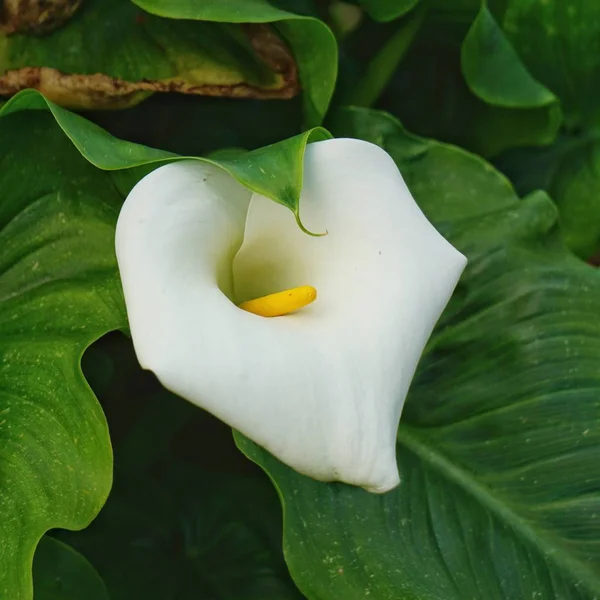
<point>100,91</point>
<point>35,16</point>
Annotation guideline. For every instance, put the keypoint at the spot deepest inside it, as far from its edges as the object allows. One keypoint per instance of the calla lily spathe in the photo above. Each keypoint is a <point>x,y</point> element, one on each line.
<point>323,388</point>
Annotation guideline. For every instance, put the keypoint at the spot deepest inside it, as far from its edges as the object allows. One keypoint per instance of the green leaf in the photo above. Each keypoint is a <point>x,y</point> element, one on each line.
<point>61,573</point>
<point>569,170</point>
<point>312,42</point>
<point>431,96</point>
<point>133,54</point>
<point>213,48</point>
<point>96,145</point>
<point>256,170</point>
<point>559,42</point>
<point>274,171</point>
<point>59,292</point>
<point>387,10</point>
<point>494,72</point>
<point>499,444</point>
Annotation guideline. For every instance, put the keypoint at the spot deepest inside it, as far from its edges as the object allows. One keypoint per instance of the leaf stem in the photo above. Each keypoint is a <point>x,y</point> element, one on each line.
<point>381,68</point>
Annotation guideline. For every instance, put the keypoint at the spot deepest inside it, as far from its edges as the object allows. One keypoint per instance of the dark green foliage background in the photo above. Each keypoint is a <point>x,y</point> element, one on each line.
<point>499,445</point>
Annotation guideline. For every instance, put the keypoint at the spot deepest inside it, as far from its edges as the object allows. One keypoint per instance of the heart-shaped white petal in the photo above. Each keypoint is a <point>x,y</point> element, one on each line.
<point>323,388</point>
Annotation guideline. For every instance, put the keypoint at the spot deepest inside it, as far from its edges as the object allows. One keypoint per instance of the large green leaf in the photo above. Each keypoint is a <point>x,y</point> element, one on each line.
<point>134,53</point>
<point>213,49</point>
<point>60,291</point>
<point>253,169</point>
<point>60,573</point>
<point>311,41</point>
<point>499,444</point>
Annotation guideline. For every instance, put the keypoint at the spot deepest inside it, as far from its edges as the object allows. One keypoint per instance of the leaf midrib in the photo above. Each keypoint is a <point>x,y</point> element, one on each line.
<point>578,571</point>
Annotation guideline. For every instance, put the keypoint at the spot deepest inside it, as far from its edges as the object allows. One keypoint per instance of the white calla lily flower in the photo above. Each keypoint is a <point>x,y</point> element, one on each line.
<point>322,388</point>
